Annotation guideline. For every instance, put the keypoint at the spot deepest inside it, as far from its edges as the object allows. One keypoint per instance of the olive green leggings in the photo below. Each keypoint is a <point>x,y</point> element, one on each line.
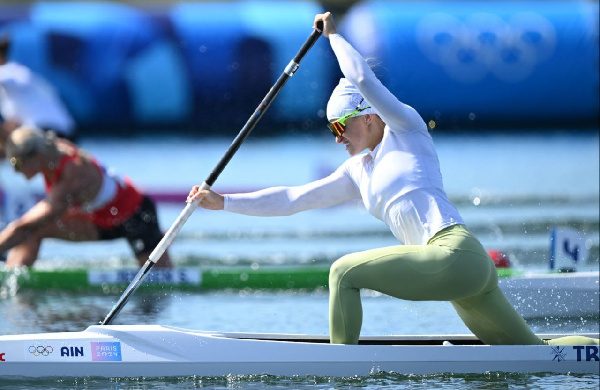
<point>453,266</point>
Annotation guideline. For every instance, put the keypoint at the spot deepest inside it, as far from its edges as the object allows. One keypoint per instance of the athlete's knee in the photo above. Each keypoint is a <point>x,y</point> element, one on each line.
<point>24,254</point>
<point>339,270</point>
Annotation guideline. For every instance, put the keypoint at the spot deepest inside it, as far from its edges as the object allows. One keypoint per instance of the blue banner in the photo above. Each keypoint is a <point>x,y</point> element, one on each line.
<point>485,63</point>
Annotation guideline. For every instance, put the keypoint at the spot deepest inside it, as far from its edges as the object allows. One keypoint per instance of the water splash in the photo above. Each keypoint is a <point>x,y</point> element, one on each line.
<point>9,284</point>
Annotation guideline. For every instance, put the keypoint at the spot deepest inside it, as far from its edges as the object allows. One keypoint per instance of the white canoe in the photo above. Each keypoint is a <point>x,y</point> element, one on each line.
<point>161,351</point>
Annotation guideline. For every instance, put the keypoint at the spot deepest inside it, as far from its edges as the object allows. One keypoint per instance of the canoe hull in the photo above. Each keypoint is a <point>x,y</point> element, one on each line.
<point>159,351</point>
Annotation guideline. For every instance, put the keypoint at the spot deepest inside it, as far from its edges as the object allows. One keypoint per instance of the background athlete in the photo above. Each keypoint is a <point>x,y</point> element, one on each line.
<point>84,202</point>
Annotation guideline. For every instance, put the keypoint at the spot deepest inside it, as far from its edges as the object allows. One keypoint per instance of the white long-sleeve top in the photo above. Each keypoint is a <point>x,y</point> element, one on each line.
<point>399,181</point>
<point>28,99</point>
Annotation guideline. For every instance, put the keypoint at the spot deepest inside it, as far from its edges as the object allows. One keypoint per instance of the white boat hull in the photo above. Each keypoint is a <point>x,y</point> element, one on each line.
<point>160,351</point>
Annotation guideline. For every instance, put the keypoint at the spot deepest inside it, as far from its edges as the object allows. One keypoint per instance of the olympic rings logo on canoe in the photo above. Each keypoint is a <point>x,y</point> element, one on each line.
<point>484,43</point>
<point>40,350</point>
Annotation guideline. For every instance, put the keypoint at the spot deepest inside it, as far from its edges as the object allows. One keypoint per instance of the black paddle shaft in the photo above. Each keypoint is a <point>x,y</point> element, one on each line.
<point>264,105</point>
<point>237,142</point>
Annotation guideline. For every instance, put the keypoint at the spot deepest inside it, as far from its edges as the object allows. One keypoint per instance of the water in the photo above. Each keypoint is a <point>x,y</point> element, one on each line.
<point>490,381</point>
<point>510,189</point>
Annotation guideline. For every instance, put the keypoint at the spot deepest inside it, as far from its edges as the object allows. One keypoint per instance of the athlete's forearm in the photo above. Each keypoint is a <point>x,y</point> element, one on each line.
<point>280,201</point>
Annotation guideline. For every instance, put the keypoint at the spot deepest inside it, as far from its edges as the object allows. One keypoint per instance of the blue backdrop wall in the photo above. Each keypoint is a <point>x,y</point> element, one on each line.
<point>505,63</point>
<point>203,67</point>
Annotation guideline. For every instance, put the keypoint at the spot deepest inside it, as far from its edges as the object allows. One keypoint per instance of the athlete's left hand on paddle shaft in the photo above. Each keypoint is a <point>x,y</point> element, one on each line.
<point>209,199</point>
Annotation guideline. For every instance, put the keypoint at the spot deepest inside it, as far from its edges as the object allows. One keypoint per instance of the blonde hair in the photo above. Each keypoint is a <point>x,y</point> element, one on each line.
<point>27,141</point>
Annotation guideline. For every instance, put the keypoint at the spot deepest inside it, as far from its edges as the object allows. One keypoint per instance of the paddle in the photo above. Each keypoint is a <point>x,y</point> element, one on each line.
<point>208,183</point>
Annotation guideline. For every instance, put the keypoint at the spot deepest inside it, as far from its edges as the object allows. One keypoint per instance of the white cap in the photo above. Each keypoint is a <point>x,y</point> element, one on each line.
<point>344,99</point>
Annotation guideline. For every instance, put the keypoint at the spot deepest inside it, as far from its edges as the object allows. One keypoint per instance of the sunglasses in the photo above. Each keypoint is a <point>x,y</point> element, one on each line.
<point>338,127</point>
<point>16,163</point>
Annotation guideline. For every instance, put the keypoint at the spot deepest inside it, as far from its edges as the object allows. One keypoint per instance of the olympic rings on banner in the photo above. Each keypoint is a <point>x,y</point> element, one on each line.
<point>484,43</point>
<point>40,350</point>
